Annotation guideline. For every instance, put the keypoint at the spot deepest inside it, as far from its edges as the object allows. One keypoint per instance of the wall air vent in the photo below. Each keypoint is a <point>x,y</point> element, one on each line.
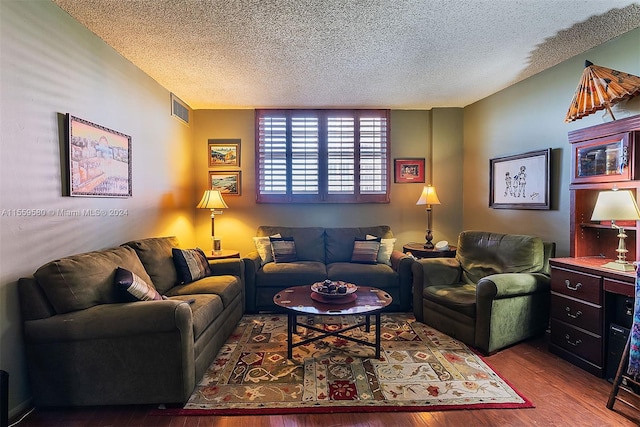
<point>179,109</point>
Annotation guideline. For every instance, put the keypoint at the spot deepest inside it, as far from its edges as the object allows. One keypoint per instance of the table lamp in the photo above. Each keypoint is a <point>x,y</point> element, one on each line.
<point>212,199</point>
<point>617,205</point>
<point>428,197</point>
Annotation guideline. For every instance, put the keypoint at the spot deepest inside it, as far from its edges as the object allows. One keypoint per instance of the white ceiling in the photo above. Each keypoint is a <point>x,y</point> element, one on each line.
<point>399,54</point>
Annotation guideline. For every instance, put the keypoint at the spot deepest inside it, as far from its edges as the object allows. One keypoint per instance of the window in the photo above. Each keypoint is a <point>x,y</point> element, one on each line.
<point>322,156</point>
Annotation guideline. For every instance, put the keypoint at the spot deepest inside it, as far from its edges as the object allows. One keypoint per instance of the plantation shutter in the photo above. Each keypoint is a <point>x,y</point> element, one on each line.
<point>322,156</point>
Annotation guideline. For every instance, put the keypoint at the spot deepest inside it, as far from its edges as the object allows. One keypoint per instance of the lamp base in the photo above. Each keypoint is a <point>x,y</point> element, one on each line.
<point>619,266</point>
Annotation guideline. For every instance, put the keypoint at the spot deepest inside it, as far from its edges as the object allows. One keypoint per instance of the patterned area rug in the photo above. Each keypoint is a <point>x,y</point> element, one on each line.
<point>420,369</point>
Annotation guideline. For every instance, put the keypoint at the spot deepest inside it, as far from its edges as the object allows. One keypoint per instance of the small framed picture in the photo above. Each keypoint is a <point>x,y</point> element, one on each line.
<point>409,170</point>
<point>224,152</point>
<point>227,182</point>
<point>520,181</point>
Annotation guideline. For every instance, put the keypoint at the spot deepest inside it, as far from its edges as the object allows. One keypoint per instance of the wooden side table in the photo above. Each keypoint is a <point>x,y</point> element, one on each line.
<point>419,251</point>
<point>224,254</point>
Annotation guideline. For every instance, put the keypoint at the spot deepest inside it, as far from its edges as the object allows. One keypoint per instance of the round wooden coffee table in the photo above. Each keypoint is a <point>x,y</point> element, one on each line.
<point>297,301</point>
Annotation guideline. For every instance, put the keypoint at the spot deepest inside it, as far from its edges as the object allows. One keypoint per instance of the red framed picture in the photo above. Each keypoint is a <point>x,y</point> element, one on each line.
<point>409,170</point>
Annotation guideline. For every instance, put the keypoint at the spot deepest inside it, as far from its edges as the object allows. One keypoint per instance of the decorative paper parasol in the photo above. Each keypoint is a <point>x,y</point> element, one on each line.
<point>601,88</point>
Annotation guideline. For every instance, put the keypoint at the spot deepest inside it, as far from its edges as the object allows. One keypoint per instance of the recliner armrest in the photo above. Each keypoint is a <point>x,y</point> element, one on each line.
<point>429,272</point>
<point>506,285</point>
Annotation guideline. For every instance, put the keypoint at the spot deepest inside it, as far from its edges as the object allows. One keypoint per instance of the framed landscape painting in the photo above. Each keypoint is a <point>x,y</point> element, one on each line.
<point>228,183</point>
<point>520,181</point>
<point>99,160</point>
<point>224,152</point>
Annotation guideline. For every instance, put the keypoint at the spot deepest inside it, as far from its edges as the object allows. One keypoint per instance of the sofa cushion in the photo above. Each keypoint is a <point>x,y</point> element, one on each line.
<point>339,241</point>
<point>482,253</point>
<point>191,264</point>
<point>225,286</point>
<point>133,288</point>
<point>309,240</point>
<point>283,275</point>
<point>365,251</point>
<point>157,258</point>
<point>205,308</point>
<point>376,275</point>
<point>85,280</point>
<point>284,249</point>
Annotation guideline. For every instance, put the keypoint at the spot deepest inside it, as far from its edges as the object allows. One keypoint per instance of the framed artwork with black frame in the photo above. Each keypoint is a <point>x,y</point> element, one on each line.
<point>99,160</point>
<point>227,182</point>
<point>409,170</point>
<point>520,181</point>
<point>224,152</point>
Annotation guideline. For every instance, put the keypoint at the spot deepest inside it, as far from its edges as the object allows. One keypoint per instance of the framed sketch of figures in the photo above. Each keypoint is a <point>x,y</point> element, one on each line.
<point>520,181</point>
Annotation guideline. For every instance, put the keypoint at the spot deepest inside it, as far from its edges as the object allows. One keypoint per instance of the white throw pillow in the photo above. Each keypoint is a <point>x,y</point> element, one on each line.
<point>263,246</point>
<point>386,247</point>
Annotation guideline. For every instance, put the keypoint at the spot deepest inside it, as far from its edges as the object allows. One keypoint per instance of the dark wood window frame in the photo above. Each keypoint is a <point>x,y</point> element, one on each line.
<point>322,156</point>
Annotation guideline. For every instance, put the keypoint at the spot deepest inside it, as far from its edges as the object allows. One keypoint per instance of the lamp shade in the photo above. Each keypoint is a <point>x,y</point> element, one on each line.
<point>212,199</point>
<point>615,205</point>
<point>428,196</point>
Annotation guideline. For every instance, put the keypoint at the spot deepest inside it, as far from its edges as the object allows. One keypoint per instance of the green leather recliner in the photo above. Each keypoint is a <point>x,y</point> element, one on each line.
<point>494,293</point>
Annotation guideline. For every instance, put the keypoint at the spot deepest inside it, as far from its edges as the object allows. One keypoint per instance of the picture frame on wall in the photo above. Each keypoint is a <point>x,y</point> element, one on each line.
<point>99,160</point>
<point>224,152</point>
<point>520,181</point>
<point>409,170</point>
<point>227,182</point>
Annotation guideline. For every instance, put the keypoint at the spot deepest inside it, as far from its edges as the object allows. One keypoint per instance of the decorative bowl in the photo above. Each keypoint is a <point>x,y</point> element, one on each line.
<point>330,288</point>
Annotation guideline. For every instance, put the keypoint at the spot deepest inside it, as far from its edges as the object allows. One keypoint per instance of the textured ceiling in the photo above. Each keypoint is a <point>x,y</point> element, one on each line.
<point>349,53</point>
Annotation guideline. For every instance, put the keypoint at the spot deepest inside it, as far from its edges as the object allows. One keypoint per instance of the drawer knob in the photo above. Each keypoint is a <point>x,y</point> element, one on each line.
<point>572,288</point>
<point>573,343</point>
<point>573,316</point>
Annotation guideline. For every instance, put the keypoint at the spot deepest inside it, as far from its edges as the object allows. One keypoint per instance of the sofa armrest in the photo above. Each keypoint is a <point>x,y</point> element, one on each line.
<point>252,263</point>
<point>130,353</point>
<point>401,264</point>
<point>429,272</point>
<point>113,320</point>
<point>229,266</point>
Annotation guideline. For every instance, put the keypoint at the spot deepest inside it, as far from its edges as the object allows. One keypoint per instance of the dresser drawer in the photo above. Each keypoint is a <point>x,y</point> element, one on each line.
<point>578,285</point>
<point>577,341</point>
<point>576,313</point>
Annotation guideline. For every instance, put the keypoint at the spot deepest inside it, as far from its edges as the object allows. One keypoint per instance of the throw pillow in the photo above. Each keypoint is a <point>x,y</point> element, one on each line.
<point>386,248</point>
<point>284,249</point>
<point>191,264</point>
<point>133,288</point>
<point>365,251</point>
<point>263,246</point>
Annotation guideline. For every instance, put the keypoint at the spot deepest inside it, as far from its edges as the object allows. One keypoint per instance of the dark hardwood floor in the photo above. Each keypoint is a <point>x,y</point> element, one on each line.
<point>563,395</point>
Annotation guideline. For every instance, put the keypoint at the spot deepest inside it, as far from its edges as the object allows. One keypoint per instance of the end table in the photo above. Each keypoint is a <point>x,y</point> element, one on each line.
<point>419,251</point>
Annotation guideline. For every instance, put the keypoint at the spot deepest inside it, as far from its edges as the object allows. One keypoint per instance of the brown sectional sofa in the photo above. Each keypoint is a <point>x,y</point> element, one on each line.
<point>84,346</point>
<point>325,253</point>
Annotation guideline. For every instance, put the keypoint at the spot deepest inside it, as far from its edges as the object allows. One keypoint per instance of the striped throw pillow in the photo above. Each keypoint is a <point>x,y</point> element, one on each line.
<point>284,249</point>
<point>191,264</point>
<point>365,251</point>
